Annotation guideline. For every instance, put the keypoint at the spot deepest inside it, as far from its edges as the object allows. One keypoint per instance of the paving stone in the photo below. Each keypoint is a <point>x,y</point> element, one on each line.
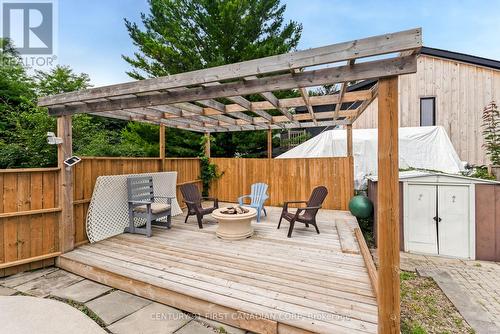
<point>27,315</point>
<point>44,285</point>
<point>195,327</point>
<point>472,286</point>
<point>21,278</point>
<point>82,291</point>
<point>116,305</point>
<point>7,291</point>
<point>152,319</point>
<point>217,325</point>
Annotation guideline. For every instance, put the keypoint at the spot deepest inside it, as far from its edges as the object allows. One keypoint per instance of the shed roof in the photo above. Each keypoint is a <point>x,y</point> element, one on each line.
<point>415,174</point>
<point>217,99</point>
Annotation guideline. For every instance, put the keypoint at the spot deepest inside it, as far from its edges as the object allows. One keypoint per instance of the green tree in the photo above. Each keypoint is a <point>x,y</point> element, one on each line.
<point>186,35</point>
<point>16,87</point>
<point>23,139</point>
<point>61,79</point>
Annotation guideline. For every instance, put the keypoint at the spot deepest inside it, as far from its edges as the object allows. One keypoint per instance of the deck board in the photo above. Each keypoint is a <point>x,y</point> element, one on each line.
<point>273,284</point>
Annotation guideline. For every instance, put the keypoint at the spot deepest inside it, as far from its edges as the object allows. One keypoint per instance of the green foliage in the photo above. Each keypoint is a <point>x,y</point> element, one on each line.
<point>60,79</point>
<point>28,138</point>
<point>480,172</point>
<point>182,143</point>
<point>209,173</point>
<point>23,140</point>
<point>491,132</point>
<point>16,88</point>
<point>184,35</point>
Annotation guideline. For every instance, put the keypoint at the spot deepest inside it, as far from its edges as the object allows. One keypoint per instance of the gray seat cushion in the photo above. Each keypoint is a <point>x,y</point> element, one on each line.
<point>155,208</point>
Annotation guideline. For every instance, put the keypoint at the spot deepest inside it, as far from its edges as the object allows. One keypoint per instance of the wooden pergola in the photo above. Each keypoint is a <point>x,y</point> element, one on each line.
<point>216,100</point>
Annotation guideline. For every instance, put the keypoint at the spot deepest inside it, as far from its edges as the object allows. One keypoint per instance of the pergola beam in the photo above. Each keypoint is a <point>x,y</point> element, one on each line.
<point>366,47</point>
<point>367,70</point>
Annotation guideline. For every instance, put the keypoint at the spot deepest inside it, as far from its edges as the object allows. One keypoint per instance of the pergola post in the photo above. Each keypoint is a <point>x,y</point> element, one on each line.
<point>207,144</point>
<point>65,151</point>
<point>162,141</point>
<point>388,207</point>
<point>269,143</point>
<point>350,155</point>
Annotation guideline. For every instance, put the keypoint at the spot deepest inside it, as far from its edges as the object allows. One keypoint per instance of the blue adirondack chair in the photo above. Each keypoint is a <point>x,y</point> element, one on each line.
<point>257,198</point>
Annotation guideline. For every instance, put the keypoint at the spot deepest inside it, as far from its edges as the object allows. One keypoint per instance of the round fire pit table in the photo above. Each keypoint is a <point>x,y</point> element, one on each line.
<point>234,226</point>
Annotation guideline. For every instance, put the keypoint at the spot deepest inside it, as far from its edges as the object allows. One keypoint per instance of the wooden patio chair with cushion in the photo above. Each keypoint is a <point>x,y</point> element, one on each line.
<point>141,204</point>
<point>193,199</point>
<point>258,196</point>
<point>305,215</point>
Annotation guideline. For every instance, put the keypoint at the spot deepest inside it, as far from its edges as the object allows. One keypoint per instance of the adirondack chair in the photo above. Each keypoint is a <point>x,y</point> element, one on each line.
<point>308,216</point>
<point>257,198</point>
<point>141,203</point>
<point>192,198</point>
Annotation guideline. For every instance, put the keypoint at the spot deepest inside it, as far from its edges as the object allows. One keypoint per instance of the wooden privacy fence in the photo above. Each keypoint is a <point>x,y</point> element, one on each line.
<point>288,179</point>
<point>30,207</point>
<point>29,218</point>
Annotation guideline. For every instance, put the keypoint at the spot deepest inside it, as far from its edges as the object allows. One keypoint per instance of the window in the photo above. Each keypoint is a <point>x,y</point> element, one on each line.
<point>427,111</point>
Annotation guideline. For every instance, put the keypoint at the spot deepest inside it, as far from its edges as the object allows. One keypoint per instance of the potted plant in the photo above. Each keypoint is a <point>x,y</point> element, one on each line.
<point>491,133</point>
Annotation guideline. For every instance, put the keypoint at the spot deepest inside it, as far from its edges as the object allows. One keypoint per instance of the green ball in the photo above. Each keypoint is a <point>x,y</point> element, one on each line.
<point>361,206</point>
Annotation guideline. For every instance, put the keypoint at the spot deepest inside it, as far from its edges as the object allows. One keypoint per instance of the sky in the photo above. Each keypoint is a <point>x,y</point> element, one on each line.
<point>92,33</point>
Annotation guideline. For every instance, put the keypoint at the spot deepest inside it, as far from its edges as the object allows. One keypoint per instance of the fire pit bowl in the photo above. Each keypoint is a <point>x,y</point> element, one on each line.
<point>234,222</point>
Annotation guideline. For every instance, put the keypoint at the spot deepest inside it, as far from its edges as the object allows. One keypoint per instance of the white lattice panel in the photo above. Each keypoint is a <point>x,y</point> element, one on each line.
<point>108,210</point>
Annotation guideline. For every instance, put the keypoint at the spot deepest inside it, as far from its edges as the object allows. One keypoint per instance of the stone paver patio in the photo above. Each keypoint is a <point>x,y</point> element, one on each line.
<point>121,312</point>
<point>472,286</point>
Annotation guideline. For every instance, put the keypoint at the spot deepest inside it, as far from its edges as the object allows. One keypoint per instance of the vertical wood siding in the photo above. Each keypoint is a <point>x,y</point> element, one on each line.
<point>288,179</point>
<point>461,90</point>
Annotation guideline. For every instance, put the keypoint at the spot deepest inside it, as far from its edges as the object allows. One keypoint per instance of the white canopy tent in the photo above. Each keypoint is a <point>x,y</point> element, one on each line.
<point>419,147</point>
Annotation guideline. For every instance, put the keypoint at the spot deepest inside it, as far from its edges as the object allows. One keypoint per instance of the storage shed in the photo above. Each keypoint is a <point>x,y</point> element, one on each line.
<point>447,215</point>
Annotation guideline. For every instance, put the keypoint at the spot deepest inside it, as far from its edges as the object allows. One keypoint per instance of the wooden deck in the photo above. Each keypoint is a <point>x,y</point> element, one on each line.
<point>266,284</point>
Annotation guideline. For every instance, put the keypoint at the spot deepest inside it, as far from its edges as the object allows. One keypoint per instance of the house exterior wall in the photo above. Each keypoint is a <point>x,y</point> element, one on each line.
<point>461,91</point>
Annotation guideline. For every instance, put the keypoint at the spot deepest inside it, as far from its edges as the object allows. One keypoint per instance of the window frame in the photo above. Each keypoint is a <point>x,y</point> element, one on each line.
<point>434,113</point>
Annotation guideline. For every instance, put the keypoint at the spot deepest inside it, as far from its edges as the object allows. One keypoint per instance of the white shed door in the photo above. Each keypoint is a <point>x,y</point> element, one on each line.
<point>421,230</point>
<point>453,230</point>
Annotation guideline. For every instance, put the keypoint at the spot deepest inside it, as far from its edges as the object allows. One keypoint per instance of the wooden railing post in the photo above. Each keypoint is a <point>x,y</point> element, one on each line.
<point>388,207</point>
<point>64,151</point>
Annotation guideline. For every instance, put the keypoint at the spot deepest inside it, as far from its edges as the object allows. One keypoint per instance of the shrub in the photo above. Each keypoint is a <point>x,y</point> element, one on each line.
<point>491,132</point>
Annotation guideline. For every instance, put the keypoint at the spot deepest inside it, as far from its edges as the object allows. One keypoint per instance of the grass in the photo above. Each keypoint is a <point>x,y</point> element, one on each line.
<point>425,309</point>
<point>366,226</point>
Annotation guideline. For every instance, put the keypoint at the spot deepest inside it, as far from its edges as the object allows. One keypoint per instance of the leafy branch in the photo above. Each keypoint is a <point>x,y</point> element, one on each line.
<point>491,132</point>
